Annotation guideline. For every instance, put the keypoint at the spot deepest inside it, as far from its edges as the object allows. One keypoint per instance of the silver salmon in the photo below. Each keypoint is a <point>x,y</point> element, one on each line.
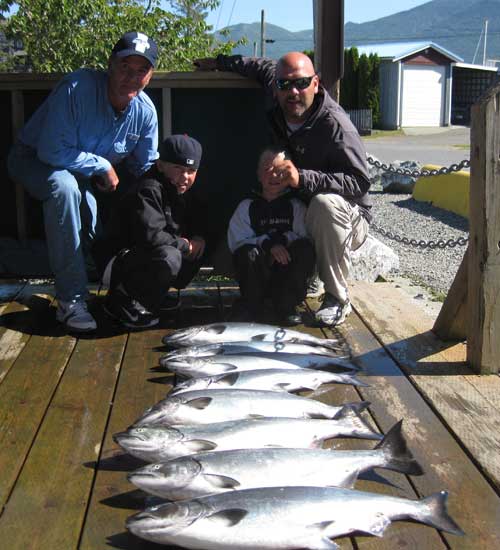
<point>155,444</point>
<point>192,367</point>
<point>288,380</point>
<point>209,473</point>
<point>233,348</point>
<point>284,517</point>
<point>242,332</point>
<point>207,406</point>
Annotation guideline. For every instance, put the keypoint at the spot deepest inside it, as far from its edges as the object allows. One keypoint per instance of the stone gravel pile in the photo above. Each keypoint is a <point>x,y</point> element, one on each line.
<point>404,216</point>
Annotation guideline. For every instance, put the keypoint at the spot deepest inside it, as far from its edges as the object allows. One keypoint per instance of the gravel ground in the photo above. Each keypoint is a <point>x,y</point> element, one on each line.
<point>433,269</point>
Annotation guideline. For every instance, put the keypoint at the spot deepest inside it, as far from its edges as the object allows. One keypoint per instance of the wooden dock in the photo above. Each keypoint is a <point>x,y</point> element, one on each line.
<point>63,480</point>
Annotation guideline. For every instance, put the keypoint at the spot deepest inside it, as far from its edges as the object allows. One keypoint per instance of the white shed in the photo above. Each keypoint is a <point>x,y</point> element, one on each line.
<point>415,83</point>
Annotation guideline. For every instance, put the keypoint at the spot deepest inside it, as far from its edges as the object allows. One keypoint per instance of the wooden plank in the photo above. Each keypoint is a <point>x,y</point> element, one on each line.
<point>21,319</point>
<point>17,105</point>
<point>26,393</point>
<point>451,323</point>
<point>473,502</point>
<point>113,497</point>
<point>483,344</point>
<point>140,386</point>
<point>359,344</point>
<point>54,485</point>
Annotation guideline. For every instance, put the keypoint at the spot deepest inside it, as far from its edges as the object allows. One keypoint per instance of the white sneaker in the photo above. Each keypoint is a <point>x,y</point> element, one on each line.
<point>331,313</point>
<point>75,316</point>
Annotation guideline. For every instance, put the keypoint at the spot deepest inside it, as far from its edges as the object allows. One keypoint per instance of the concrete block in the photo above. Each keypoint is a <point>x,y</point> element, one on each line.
<point>448,191</point>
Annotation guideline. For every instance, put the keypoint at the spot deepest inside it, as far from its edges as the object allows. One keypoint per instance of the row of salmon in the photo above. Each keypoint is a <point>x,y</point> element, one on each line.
<point>240,461</point>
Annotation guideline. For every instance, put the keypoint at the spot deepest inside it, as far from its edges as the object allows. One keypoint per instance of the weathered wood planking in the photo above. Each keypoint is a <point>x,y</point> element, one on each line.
<point>141,385</point>
<point>483,344</point>
<point>55,483</point>
<point>455,399</point>
<point>400,534</point>
<point>26,393</point>
<point>19,319</point>
<point>451,323</point>
<point>113,497</point>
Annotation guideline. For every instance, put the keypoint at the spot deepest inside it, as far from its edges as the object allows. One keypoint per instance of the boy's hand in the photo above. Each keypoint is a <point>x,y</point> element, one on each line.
<point>280,254</point>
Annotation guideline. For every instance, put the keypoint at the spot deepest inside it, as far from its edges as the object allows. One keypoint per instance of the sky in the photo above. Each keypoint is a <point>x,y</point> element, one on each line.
<point>297,15</point>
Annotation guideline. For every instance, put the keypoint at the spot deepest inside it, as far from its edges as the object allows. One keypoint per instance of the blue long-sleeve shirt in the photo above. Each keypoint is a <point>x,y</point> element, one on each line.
<point>76,128</point>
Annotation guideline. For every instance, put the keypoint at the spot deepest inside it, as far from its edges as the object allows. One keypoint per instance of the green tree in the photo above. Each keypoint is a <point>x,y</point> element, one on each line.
<point>194,9</point>
<point>349,82</point>
<point>62,35</point>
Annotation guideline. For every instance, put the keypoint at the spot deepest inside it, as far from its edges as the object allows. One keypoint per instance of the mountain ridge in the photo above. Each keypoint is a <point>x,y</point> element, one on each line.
<point>456,25</point>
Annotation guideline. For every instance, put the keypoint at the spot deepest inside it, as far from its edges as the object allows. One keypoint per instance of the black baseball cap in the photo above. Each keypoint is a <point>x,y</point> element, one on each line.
<point>136,43</point>
<point>181,149</point>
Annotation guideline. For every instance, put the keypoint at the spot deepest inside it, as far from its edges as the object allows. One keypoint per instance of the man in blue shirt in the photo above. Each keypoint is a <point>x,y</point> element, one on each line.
<point>91,122</point>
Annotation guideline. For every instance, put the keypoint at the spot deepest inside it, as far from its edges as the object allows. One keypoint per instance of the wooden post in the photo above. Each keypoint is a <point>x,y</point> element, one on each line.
<point>483,342</point>
<point>17,104</point>
<point>329,43</point>
<point>451,323</point>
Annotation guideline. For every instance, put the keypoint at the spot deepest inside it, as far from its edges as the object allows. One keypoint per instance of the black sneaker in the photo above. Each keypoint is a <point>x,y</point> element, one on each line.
<point>289,317</point>
<point>130,313</point>
<point>171,302</point>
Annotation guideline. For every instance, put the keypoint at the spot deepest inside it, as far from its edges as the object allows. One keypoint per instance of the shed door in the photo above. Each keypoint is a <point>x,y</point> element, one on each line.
<point>423,95</point>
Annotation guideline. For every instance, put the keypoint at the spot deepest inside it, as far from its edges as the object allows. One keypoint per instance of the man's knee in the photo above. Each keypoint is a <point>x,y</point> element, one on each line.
<point>63,185</point>
<point>171,256</point>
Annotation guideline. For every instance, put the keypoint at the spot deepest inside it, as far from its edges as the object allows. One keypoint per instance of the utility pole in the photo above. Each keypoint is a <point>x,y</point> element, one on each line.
<point>485,37</point>
<point>255,49</point>
<point>262,34</point>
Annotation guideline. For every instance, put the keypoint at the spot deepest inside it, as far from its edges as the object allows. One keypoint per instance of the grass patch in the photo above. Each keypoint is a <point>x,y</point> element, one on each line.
<point>464,146</point>
<point>384,133</point>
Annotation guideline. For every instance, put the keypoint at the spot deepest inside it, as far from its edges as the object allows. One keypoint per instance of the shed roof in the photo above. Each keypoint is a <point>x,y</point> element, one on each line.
<point>399,50</point>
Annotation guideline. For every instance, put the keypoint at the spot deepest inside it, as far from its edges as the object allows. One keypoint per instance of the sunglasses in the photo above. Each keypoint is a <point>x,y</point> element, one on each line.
<point>299,83</point>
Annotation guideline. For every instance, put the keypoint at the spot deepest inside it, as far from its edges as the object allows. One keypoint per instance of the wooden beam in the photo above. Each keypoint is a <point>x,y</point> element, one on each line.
<point>329,43</point>
<point>483,343</point>
<point>17,104</point>
<point>451,323</point>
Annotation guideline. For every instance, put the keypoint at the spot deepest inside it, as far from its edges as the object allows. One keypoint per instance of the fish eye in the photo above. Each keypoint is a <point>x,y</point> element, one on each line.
<point>157,467</point>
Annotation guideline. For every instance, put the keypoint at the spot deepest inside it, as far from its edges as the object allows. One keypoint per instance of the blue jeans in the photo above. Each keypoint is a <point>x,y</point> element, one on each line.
<point>69,213</point>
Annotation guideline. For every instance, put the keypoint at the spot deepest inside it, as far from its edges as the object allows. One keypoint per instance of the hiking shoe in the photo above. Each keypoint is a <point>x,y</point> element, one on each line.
<point>130,313</point>
<point>315,287</point>
<point>331,312</point>
<point>75,316</point>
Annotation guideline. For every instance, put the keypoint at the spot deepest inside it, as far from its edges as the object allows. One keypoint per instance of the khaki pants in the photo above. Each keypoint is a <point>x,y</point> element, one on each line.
<point>337,228</point>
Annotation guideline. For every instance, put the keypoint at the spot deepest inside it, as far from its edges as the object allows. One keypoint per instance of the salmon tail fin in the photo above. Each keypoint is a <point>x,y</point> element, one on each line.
<point>396,453</point>
<point>436,514</point>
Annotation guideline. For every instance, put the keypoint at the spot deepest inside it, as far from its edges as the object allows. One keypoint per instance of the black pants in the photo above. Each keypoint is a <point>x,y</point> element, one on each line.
<point>259,278</point>
<point>147,274</point>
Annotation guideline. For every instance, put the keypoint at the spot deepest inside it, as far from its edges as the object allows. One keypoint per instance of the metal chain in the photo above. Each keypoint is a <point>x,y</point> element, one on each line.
<point>418,173</point>
<point>450,243</point>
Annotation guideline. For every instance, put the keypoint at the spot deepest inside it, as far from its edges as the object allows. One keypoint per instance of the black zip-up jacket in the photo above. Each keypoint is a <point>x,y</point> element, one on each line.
<point>149,216</point>
<point>326,149</point>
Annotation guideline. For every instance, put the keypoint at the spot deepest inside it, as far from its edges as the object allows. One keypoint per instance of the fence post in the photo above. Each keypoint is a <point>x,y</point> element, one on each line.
<point>483,331</point>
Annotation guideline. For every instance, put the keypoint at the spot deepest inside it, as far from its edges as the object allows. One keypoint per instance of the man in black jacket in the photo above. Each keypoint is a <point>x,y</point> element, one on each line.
<point>154,240</point>
<point>327,167</point>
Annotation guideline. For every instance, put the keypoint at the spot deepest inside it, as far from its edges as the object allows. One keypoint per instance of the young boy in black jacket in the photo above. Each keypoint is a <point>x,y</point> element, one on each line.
<point>154,240</point>
<point>272,254</point>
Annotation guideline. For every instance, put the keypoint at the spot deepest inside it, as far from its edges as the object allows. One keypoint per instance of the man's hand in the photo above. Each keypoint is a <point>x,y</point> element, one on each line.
<point>108,182</point>
<point>205,64</point>
<point>288,173</point>
<point>196,248</point>
<point>280,254</point>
